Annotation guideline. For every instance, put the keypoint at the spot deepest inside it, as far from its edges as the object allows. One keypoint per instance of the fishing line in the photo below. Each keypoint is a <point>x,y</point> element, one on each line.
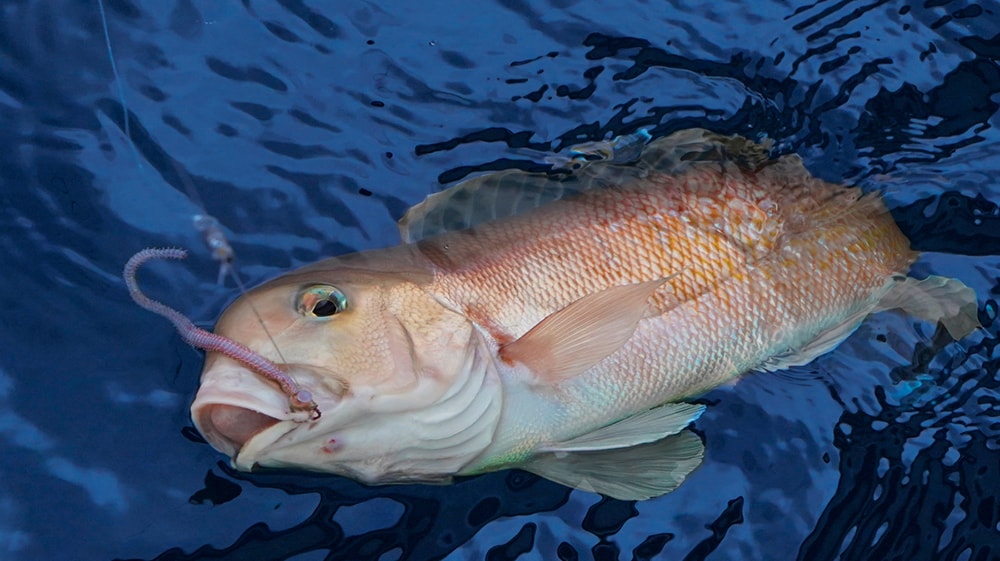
<point>119,84</point>
<point>205,223</point>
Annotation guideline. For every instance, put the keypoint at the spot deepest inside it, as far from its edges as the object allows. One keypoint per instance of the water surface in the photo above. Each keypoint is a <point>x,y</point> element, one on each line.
<point>307,129</point>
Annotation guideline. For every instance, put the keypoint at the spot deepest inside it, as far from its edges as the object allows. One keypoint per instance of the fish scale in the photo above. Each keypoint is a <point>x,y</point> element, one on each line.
<point>518,259</point>
<point>735,294</point>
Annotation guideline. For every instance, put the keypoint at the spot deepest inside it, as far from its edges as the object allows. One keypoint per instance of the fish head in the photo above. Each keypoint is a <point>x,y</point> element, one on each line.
<point>404,385</point>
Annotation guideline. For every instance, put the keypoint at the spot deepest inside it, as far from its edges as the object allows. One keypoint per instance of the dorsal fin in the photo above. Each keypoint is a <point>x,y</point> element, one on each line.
<point>484,198</point>
<point>589,166</point>
<point>687,148</point>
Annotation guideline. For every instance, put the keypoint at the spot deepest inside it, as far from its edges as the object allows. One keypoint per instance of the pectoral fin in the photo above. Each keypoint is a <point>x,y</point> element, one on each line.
<point>641,428</point>
<point>635,473</point>
<point>582,334</point>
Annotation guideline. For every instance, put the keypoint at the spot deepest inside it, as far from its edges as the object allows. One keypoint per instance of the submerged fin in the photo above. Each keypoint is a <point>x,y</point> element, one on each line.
<point>824,343</point>
<point>588,166</point>
<point>635,473</point>
<point>937,299</point>
<point>684,149</point>
<point>641,428</point>
<point>480,199</point>
<point>583,333</point>
<point>620,150</point>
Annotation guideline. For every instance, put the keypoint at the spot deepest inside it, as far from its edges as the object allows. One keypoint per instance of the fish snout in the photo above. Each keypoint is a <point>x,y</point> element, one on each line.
<point>229,427</point>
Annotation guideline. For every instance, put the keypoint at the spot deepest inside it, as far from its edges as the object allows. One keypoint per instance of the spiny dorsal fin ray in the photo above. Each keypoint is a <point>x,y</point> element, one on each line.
<point>507,193</point>
<point>684,149</point>
<point>484,198</point>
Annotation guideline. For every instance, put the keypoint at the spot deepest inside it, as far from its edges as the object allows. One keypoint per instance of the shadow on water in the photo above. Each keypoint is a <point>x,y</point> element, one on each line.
<point>430,521</point>
<point>433,522</point>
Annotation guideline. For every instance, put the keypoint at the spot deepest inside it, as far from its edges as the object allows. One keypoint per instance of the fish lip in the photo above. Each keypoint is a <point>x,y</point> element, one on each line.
<point>246,457</point>
<point>207,397</point>
<point>226,383</point>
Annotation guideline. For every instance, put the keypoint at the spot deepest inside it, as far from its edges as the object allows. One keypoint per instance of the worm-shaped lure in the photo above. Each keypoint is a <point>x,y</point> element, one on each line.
<point>299,399</point>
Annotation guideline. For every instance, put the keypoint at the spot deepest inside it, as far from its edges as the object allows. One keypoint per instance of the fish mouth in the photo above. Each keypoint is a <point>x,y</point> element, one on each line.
<point>232,426</point>
<point>246,416</point>
<point>229,421</point>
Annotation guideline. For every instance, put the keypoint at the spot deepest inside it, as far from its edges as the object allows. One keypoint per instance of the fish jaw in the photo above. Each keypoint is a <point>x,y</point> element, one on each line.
<point>234,404</point>
<point>426,432</point>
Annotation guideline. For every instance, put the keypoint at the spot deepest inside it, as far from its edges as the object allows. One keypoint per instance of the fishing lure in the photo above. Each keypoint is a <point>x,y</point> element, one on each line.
<point>299,399</point>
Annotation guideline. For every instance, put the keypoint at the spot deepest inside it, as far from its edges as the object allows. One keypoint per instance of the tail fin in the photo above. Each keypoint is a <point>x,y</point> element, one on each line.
<point>940,299</point>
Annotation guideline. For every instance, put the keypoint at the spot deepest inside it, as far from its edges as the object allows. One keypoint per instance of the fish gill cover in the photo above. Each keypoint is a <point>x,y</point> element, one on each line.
<point>308,128</point>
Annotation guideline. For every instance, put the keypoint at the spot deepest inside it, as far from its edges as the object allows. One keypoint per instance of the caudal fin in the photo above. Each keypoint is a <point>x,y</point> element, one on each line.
<point>938,299</point>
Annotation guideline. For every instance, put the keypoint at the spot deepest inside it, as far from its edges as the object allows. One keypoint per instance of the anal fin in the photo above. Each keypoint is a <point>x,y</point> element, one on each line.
<point>937,299</point>
<point>824,343</point>
<point>641,428</point>
<point>635,473</point>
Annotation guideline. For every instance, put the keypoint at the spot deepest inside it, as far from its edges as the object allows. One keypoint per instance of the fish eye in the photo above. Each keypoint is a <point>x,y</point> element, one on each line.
<point>321,301</point>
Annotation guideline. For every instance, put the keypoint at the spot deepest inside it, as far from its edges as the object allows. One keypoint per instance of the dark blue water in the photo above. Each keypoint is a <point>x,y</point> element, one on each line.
<point>308,127</point>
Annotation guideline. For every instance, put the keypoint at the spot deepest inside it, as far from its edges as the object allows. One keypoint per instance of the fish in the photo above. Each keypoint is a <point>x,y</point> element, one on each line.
<point>562,323</point>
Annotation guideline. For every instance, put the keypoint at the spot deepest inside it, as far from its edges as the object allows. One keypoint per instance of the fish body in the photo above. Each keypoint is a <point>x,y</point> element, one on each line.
<point>564,338</point>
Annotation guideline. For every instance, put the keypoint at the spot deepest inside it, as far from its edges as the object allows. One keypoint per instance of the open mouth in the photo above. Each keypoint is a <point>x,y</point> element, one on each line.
<point>229,427</point>
<point>242,415</point>
<point>233,405</point>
